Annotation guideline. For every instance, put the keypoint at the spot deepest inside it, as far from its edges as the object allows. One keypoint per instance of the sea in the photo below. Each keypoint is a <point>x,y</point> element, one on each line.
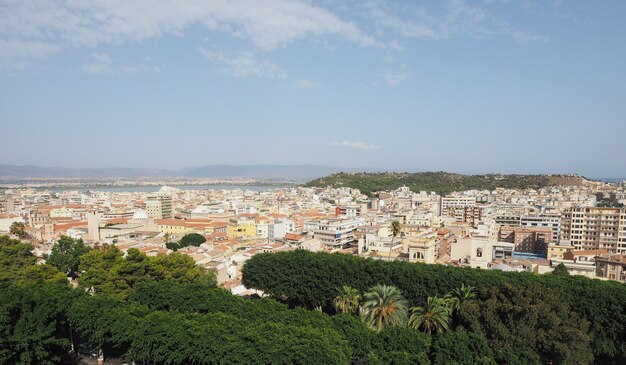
<point>154,188</point>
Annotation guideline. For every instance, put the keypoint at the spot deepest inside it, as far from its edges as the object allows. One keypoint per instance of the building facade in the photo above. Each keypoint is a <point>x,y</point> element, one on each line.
<point>589,228</point>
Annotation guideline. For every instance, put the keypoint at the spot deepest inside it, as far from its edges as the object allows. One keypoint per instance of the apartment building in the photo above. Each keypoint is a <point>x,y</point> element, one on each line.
<point>159,206</point>
<point>471,215</point>
<point>545,220</point>
<point>279,228</point>
<point>337,233</point>
<point>448,204</point>
<point>351,211</point>
<point>527,239</point>
<point>589,228</point>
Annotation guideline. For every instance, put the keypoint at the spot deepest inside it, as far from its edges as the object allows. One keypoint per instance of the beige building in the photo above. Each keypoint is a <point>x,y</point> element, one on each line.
<point>159,206</point>
<point>590,228</point>
<point>422,250</point>
<point>448,205</point>
<point>556,250</point>
<point>611,267</point>
<point>480,251</point>
<point>581,262</point>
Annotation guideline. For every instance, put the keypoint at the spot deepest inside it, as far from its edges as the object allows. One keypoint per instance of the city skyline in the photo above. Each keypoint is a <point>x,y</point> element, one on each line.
<point>459,86</point>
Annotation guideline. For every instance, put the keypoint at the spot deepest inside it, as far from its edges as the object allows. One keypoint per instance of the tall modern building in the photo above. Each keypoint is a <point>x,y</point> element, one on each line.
<point>589,228</point>
<point>159,206</point>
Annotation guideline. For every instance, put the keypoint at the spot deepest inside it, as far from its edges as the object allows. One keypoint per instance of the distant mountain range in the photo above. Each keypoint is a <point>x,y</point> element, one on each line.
<point>298,173</point>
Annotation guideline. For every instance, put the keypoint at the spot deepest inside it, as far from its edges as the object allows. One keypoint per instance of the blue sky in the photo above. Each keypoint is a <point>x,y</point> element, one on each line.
<point>464,86</point>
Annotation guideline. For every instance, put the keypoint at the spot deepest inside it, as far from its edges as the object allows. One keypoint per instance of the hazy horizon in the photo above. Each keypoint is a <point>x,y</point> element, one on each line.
<point>337,168</point>
<point>460,86</point>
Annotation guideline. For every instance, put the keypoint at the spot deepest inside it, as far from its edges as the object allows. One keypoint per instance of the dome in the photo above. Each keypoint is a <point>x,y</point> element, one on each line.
<point>140,214</point>
<point>167,189</point>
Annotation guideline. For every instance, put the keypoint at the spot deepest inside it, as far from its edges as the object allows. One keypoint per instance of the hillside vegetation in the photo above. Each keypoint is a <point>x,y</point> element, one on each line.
<point>441,182</point>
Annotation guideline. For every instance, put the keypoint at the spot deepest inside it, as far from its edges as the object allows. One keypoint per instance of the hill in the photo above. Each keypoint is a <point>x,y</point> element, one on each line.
<point>442,182</point>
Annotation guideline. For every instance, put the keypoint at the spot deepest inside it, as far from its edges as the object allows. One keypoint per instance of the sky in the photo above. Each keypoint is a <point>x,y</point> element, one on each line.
<point>454,85</point>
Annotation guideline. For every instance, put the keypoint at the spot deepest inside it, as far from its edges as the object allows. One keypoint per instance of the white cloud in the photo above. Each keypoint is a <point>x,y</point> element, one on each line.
<point>406,28</point>
<point>103,64</point>
<point>244,64</point>
<point>358,145</point>
<point>267,24</point>
<point>20,53</point>
<point>456,18</point>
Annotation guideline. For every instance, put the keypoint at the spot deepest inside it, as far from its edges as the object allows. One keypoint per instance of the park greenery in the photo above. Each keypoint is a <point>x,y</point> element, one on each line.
<point>524,318</point>
<point>167,310</point>
<point>439,182</point>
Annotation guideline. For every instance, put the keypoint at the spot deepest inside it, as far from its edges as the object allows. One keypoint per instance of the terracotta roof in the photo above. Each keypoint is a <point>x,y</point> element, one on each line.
<point>588,252</point>
<point>169,222</point>
<point>293,237</point>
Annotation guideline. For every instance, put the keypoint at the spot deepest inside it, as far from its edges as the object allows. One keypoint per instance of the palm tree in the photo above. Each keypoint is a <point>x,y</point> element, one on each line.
<point>348,300</point>
<point>383,306</point>
<point>433,318</point>
<point>460,295</point>
<point>396,228</point>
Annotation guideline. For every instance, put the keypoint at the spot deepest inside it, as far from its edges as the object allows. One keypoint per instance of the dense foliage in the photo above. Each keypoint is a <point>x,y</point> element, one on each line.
<point>439,182</point>
<point>530,318</point>
<point>66,253</point>
<point>32,323</point>
<point>590,314</point>
<point>461,347</point>
<point>107,271</point>
<point>18,264</point>
<point>163,310</point>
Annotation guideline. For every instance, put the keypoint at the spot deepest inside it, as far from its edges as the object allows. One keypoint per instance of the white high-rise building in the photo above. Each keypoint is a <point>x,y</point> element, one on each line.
<point>159,206</point>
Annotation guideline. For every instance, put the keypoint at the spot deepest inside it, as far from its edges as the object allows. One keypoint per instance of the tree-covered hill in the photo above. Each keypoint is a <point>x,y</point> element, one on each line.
<point>441,182</point>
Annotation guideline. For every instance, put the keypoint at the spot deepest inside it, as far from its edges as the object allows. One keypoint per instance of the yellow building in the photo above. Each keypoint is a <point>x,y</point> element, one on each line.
<point>241,228</point>
<point>174,227</point>
<point>556,251</point>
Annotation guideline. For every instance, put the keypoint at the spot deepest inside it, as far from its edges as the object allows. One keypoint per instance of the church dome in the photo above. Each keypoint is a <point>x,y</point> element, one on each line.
<point>140,214</point>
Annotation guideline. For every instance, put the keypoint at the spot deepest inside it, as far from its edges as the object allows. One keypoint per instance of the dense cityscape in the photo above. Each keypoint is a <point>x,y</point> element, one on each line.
<point>582,227</point>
